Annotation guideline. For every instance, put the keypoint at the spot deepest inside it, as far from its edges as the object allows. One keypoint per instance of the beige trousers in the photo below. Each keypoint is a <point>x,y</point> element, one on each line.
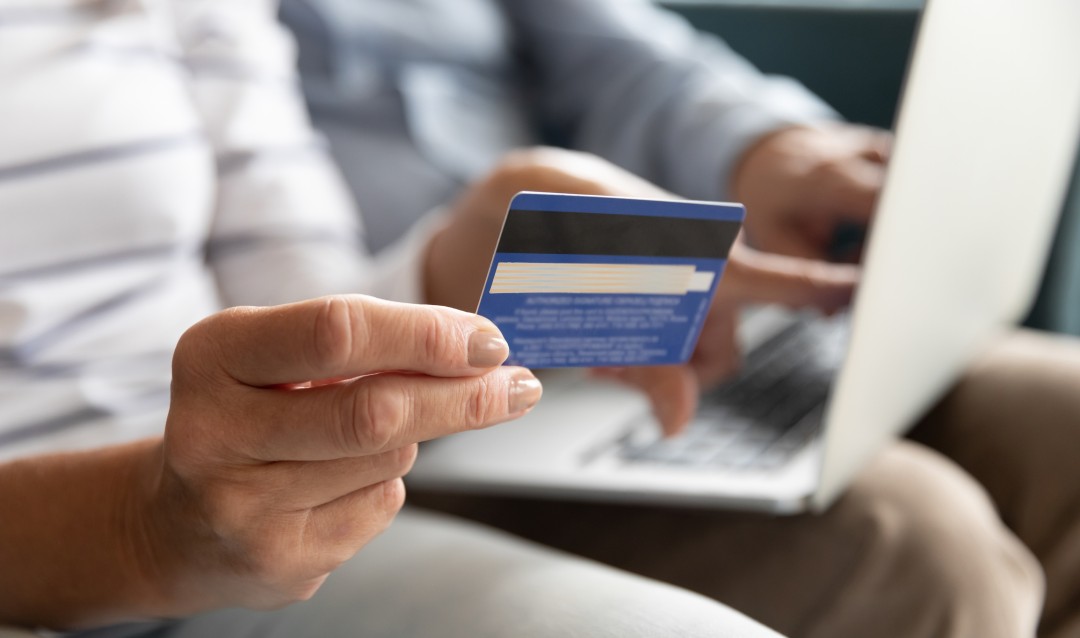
<point>971,528</point>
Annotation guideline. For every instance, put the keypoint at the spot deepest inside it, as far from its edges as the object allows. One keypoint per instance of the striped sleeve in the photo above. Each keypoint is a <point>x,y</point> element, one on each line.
<point>284,226</point>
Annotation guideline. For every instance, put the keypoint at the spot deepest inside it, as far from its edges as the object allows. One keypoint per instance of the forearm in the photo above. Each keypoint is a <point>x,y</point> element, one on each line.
<point>639,86</point>
<point>70,545</point>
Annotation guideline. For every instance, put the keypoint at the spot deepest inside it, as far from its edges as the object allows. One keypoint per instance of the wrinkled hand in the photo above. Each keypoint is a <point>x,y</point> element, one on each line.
<point>290,428</point>
<point>800,184</point>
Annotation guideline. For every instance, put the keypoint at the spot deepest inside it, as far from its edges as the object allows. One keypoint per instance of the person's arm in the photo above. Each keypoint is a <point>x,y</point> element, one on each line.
<point>637,85</point>
<point>281,458</point>
<point>68,556</point>
<point>285,227</point>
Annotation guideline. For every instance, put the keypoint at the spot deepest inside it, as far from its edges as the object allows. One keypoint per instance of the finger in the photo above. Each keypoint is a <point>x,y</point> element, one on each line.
<point>862,188</point>
<point>343,337</point>
<point>672,390</point>
<point>382,412</point>
<point>878,145</point>
<point>755,277</point>
<point>718,355</point>
<point>337,530</point>
<point>296,485</point>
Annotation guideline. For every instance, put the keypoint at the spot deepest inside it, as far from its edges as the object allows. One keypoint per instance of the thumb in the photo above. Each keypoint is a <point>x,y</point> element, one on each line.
<point>756,277</point>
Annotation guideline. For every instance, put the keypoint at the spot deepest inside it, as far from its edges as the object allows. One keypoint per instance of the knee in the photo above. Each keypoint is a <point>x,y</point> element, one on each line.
<point>930,542</point>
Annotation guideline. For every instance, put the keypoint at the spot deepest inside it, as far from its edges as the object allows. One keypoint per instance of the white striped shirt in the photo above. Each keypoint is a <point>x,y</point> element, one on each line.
<point>156,164</point>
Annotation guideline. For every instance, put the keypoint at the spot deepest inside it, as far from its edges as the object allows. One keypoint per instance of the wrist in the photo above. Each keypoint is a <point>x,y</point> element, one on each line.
<point>143,524</point>
<point>169,554</point>
<point>74,551</point>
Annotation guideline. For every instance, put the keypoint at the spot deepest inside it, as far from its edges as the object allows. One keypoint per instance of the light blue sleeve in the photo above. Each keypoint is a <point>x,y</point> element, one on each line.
<point>638,85</point>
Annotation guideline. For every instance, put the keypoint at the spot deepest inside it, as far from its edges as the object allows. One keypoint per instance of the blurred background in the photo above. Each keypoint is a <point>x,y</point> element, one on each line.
<point>853,53</point>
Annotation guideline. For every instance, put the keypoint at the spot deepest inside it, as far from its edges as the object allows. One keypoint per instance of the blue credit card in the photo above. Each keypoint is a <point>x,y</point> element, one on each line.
<point>588,281</point>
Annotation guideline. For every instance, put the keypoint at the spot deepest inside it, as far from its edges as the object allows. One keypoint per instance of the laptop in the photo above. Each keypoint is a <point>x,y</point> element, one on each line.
<point>986,142</point>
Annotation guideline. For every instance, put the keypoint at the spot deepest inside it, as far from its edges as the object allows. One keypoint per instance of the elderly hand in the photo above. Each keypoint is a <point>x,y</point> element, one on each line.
<point>289,430</point>
<point>800,184</point>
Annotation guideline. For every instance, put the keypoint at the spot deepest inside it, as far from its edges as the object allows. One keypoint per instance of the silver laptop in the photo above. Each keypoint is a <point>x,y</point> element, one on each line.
<point>986,140</point>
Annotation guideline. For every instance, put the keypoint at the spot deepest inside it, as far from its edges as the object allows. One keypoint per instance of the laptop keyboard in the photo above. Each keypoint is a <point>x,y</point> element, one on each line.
<point>760,419</point>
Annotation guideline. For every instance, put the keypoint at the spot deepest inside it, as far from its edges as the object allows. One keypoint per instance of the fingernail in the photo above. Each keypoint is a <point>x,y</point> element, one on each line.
<point>487,349</point>
<point>525,391</point>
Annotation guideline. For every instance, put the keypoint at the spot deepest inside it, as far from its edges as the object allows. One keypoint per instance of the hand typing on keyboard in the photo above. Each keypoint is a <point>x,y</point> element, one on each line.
<point>751,277</point>
<point>759,419</point>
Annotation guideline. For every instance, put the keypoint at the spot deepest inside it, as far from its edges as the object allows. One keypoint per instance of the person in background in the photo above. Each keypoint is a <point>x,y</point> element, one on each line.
<point>426,106</point>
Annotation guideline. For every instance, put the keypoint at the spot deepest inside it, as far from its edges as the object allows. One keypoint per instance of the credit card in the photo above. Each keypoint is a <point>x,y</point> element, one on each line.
<point>588,281</point>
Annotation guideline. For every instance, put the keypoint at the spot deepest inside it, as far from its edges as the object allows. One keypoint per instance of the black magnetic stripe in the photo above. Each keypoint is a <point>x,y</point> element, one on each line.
<point>544,232</point>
